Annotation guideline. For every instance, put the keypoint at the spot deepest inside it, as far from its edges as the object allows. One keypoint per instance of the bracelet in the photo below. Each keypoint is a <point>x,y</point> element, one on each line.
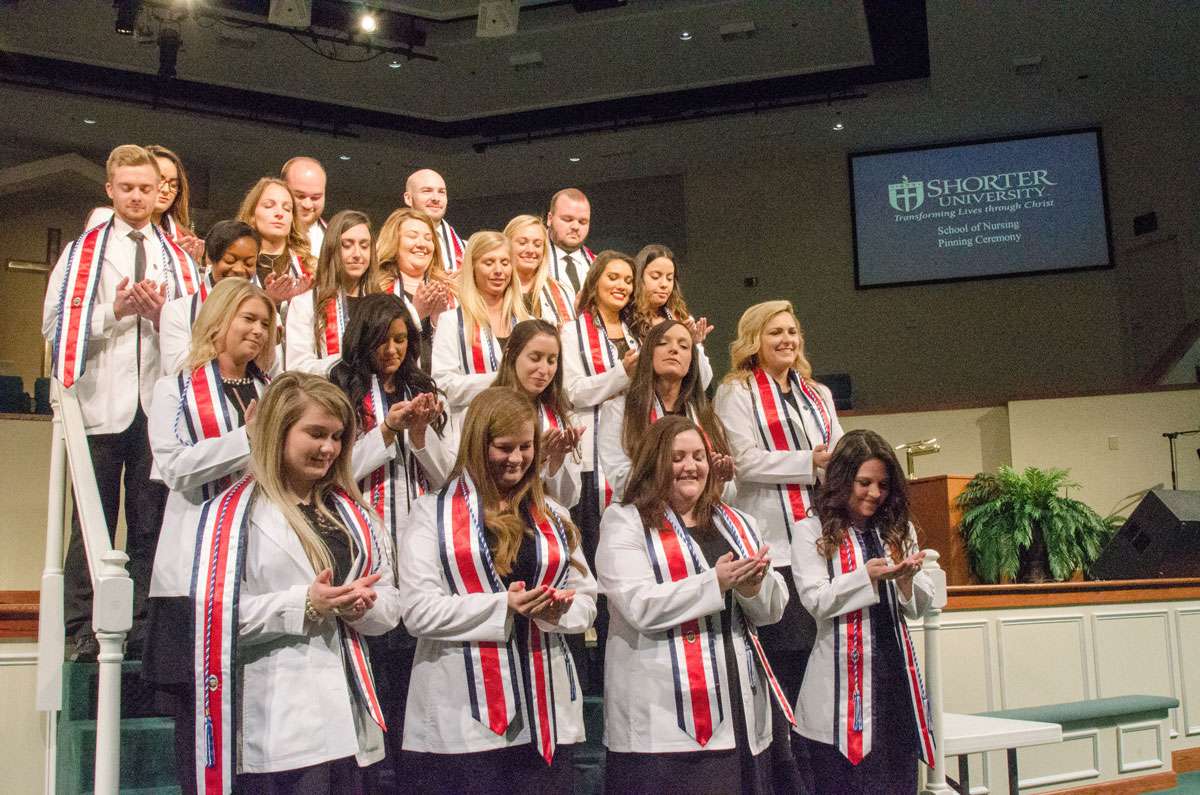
<point>310,612</point>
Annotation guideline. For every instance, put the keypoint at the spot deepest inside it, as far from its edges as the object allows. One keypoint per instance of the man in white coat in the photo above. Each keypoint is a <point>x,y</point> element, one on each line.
<point>425,190</point>
<point>306,177</point>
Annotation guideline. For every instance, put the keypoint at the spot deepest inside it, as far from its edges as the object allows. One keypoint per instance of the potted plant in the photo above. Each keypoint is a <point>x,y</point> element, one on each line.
<point>1019,526</point>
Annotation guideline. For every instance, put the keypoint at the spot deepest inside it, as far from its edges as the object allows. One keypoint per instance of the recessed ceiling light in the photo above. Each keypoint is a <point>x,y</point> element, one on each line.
<point>396,63</point>
<point>343,157</point>
<point>574,159</point>
<point>368,23</point>
<point>685,35</point>
<point>89,121</point>
<point>838,126</point>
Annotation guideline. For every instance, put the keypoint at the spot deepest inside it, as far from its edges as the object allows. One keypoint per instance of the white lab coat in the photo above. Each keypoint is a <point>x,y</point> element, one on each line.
<point>758,470</point>
<point>437,718</point>
<point>300,347</point>
<point>587,391</point>
<point>459,386</point>
<point>298,706</point>
<point>436,458</point>
<point>185,468</point>
<point>639,689</point>
<point>826,599</point>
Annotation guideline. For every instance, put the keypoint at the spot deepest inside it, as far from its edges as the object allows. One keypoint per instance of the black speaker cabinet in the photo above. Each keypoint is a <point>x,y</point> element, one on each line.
<point>1161,538</point>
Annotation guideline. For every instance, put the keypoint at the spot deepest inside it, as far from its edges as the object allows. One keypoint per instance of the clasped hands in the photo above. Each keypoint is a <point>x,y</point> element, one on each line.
<point>557,443</point>
<point>413,416</point>
<point>743,574</point>
<point>544,603</point>
<point>145,298</point>
<point>283,287</point>
<point>430,299</point>
<point>349,602</point>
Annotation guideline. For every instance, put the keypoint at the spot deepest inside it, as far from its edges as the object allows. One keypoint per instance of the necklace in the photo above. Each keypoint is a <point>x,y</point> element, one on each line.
<point>237,381</point>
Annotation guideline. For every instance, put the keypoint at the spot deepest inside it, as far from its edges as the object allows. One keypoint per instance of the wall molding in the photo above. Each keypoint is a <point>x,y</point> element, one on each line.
<point>1191,723</point>
<point>1173,715</point>
<point>1072,775</point>
<point>1124,765</point>
<point>1003,653</point>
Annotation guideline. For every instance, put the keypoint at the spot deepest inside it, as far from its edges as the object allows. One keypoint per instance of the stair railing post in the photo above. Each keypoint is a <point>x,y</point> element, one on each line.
<point>112,616</point>
<point>935,777</point>
<point>51,642</point>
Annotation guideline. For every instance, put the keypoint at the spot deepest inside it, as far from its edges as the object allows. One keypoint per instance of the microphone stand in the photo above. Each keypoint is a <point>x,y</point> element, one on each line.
<point>1171,436</point>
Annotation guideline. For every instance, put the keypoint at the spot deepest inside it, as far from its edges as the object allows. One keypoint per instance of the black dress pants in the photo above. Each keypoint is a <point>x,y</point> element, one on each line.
<point>116,456</point>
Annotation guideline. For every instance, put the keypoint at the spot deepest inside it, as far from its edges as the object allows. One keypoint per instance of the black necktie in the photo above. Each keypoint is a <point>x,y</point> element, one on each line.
<point>571,273</point>
<point>139,256</point>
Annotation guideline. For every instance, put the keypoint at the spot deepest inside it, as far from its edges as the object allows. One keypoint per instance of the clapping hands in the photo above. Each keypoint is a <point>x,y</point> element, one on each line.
<point>349,602</point>
<point>283,287</point>
<point>544,603</point>
<point>744,574</point>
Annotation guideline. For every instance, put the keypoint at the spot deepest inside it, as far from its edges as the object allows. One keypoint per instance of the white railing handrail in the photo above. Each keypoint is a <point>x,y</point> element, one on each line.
<point>935,775</point>
<point>112,589</point>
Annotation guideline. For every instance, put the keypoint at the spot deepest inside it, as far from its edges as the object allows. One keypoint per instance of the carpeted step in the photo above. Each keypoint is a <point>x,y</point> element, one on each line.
<point>147,756</point>
<point>81,686</point>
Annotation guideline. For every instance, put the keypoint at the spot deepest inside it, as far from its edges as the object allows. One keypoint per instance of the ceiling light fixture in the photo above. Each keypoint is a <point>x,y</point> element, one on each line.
<point>368,23</point>
<point>395,64</point>
<point>89,121</point>
<point>838,126</point>
<point>685,35</point>
<point>343,157</point>
<point>574,159</point>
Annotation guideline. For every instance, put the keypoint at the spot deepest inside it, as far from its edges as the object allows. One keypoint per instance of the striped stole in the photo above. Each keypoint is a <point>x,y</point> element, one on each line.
<point>480,354</point>
<point>780,430</point>
<point>397,289</point>
<point>296,265</point>
<point>205,413</point>
<point>499,677</point>
<point>453,247</point>
<point>853,727</point>
<point>336,316</point>
<point>599,355</point>
<point>694,659</point>
<point>216,581</point>
<point>557,267</point>
<point>550,420</point>
<point>77,297</point>
<point>556,305</point>
<point>380,485</point>
<point>201,295</point>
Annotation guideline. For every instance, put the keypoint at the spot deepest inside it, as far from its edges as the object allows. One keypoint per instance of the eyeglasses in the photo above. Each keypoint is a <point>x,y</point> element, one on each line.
<point>169,185</point>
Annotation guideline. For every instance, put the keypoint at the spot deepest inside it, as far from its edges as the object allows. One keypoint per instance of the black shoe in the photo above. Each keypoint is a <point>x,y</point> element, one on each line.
<point>86,650</point>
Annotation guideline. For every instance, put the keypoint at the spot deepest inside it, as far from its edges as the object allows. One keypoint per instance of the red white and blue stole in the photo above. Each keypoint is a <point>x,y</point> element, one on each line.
<point>381,485</point>
<point>556,305</point>
<point>336,317</point>
<point>482,352</point>
<point>204,411</point>
<point>77,298</point>
<point>452,248</point>
<point>498,679</point>
<point>599,355</point>
<point>780,430</point>
<point>200,296</point>
<point>216,583</point>
<point>397,289</point>
<point>296,265</point>
<point>853,727</point>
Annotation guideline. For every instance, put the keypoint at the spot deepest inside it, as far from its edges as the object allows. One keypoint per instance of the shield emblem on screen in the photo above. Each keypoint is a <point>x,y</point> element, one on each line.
<point>906,196</point>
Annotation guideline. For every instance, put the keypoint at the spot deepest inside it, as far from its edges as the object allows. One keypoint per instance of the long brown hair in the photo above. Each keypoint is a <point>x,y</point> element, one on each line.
<point>639,397</point>
<point>496,412</point>
<point>642,317</point>
<point>179,205</point>
<point>832,499</point>
<point>554,396</point>
<point>651,476</point>
<point>297,237</point>
<point>586,300</point>
<point>330,268</point>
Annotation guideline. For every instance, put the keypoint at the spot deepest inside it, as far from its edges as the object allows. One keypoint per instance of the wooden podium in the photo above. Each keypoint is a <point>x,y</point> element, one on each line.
<point>931,502</point>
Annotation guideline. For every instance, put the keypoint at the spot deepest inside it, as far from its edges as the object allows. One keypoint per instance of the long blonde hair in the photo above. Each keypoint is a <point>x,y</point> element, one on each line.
<point>542,274</point>
<point>280,408</point>
<point>495,412</point>
<point>387,247</point>
<point>297,238</point>
<point>743,351</point>
<point>475,311</point>
<point>217,314</point>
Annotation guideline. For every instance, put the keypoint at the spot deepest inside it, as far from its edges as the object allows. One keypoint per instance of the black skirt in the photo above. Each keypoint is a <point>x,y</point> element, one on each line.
<point>168,657</point>
<point>692,772</point>
<point>518,770</point>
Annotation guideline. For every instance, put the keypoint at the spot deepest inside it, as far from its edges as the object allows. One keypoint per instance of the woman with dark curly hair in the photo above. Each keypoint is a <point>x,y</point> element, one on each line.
<point>862,707</point>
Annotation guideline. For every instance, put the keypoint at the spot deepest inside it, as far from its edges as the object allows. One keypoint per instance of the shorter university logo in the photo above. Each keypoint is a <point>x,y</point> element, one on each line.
<point>906,196</point>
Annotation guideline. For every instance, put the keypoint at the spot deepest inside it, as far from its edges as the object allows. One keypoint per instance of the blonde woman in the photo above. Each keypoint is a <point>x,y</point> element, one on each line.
<point>410,268</point>
<point>317,318</point>
<point>544,297</point>
<point>285,262</point>
<point>781,425</point>
<point>284,698</point>
<point>492,579</point>
<point>200,444</point>
<point>468,344</point>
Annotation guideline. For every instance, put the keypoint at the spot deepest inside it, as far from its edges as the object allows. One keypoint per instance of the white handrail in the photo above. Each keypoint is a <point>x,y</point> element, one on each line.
<point>112,589</point>
<point>935,776</point>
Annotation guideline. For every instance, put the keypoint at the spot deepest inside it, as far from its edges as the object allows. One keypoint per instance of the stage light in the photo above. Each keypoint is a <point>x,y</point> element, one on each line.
<point>368,23</point>
<point>89,121</point>
<point>343,157</point>
<point>127,14</point>
<point>838,126</point>
<point>395,64</point>
<point>685,35</point>
<point>574,159</point>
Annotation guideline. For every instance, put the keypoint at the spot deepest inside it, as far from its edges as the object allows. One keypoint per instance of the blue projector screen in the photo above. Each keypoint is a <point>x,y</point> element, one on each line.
<point>979,209</point>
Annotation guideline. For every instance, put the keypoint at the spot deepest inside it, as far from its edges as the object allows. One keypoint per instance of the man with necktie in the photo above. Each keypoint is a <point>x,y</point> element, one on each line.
<point>100,316</point>
<point>568,220</point>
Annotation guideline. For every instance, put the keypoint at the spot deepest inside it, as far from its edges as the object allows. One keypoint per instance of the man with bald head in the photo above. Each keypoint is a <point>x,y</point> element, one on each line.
<point>425,190</point>
<point>569,219</point>
<point>306,178</point>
